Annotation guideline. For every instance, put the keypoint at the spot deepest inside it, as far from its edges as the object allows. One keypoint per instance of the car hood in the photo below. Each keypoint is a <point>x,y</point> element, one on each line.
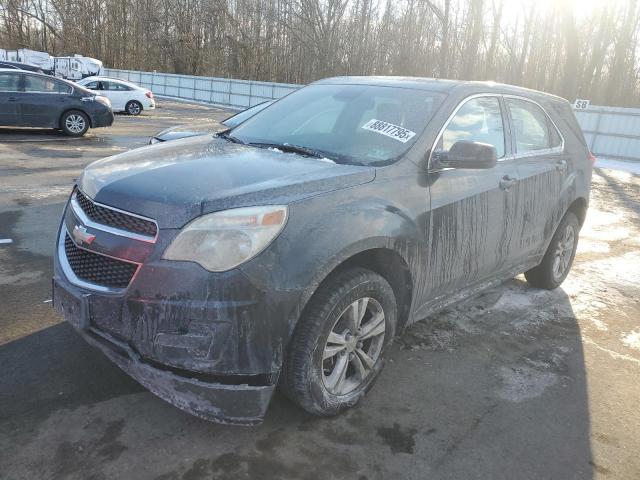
<point>178,181</point>
<point>185,131</point>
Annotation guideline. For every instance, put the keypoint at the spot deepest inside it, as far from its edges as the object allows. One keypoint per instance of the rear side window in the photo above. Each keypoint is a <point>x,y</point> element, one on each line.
<point>9,82</point>
<point>532,128</point>
<point>34,84</point>
<point>113,86</point>
<point>478,120</point>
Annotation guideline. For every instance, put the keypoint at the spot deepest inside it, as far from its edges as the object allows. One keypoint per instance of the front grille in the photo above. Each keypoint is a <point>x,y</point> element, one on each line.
<point>98,269</point>
<point>113,218</point>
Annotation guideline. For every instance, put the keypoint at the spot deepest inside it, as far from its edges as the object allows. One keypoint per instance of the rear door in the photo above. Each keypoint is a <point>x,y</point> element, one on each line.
<point>543,167</point>
<point>9,98</point>
<point>43,101</point>
<point>471,209</point>
<point>118,93</point>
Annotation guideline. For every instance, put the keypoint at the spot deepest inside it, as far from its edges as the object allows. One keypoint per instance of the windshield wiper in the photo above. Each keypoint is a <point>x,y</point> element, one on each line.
<point>225,134</point>
<point>287,147</point>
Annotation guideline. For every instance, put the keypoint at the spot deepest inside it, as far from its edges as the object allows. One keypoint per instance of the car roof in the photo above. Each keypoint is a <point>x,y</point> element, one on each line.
<point>436,85</point>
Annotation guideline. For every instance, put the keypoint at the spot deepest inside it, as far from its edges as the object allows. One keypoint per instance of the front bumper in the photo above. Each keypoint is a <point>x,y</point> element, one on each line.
<point>238,404</point>
<point>103,119</point>
<point>209,343</point>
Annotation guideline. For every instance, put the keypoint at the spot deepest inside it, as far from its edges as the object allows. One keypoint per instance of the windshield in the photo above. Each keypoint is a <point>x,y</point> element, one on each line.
<point>238,118</point>
<point>363,124</point>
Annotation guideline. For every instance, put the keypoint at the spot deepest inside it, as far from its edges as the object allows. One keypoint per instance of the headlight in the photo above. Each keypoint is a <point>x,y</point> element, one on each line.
<point>223,240</point>
<point>103,100</point>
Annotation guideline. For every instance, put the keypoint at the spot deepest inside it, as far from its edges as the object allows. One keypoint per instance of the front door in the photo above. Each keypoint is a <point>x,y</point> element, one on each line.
<point>471,229</point>
<point>9,93</point>
<point>542,167</point>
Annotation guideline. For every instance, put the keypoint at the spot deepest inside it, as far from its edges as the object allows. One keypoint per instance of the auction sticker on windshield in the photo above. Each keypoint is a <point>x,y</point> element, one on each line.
<point>389,129</point>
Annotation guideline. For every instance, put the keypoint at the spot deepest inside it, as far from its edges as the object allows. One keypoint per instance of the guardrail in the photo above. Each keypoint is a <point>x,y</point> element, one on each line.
<point>219,91</point>
<point>611,132</point>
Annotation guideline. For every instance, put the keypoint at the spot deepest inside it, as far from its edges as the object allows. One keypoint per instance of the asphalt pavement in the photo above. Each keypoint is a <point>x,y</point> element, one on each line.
<point>517,383</point>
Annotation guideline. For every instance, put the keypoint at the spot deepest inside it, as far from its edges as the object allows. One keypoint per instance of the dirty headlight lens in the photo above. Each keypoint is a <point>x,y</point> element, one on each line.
<point>223,240</point>
<point>103,100</point>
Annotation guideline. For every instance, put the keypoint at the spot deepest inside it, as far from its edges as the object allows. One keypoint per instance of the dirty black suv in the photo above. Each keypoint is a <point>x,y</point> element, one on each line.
<point>293,248</point>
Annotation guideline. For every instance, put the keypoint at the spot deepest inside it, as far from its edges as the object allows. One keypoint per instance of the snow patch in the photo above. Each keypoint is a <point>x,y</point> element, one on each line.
<point>632,339</point>
<point>523,383</point>
<point>631,167</point>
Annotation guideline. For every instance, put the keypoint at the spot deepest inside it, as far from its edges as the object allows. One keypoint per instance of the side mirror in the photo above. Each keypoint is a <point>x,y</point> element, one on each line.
<point>467,154</point>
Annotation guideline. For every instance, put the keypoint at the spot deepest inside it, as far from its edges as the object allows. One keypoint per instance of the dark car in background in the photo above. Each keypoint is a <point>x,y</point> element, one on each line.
<point>36,100</point>
<point>23,66</point>
<point>293,248</point>
<point>185,131</point>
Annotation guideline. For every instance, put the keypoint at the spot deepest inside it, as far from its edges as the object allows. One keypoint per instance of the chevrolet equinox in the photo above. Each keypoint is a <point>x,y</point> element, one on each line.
<point>291,249</point>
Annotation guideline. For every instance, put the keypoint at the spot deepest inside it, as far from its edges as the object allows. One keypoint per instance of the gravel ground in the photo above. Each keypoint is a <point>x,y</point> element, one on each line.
<point>515,383</point>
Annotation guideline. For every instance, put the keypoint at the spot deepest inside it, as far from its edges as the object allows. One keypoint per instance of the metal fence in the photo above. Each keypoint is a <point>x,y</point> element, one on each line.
<point>610,132</point>
<point>220,91</point>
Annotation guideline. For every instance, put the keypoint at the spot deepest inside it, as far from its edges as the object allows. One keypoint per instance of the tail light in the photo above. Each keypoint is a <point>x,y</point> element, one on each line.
<point>592,159</point>
<point>149,94</point>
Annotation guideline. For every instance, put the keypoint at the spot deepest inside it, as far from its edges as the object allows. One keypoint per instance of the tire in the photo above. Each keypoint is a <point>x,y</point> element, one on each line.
<point>307,378</point>
<point>133,108</point>
<point>74,123</point>
<point>558,258</point>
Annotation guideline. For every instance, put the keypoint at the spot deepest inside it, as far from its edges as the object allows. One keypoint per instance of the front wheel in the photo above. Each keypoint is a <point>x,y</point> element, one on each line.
<point>339,345</point>
<point>133,107</point>
<point>74,123</point>
<point>557,260</point>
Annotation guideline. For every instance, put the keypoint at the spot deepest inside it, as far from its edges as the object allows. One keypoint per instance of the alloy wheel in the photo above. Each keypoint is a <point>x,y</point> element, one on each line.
<point>134,108</point>
<point>563,252</point>
<point>353,346</point>
<point>75,123</point>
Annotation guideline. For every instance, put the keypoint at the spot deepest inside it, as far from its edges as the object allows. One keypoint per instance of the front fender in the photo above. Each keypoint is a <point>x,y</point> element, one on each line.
<point>325,231</point>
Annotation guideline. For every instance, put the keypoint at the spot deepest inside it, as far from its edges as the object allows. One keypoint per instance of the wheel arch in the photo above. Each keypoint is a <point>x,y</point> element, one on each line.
<point>384,261</point>
<point>579,208</point>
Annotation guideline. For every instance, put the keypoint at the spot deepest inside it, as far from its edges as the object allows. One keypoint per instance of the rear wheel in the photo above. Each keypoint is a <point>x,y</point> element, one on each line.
<point>133,107</point>
<point>340,344</point>
<point>557,260</point>
<point>74,123</point>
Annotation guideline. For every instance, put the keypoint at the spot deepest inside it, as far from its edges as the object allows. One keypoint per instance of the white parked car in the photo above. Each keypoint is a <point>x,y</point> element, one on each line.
<point>125,96</point>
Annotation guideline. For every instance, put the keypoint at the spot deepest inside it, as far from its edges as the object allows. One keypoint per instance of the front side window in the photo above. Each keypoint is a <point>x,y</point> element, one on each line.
<point>35,84</point>
<point>531,127</point>
<point>92,86</point>
<point>478,120</point>
<point>9,82</point>
<point>360,124</point>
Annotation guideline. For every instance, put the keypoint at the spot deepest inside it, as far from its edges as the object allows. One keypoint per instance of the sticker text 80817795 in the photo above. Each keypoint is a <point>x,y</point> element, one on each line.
<point>389,130</point>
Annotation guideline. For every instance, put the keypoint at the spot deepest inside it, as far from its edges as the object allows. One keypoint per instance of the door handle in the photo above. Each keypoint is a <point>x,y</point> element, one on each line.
<point>561,165</point>
<point>12,99</point>
<point>507,182</point>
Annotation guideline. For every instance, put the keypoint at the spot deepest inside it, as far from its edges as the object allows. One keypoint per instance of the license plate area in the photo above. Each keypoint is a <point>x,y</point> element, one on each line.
<point>73,309</point>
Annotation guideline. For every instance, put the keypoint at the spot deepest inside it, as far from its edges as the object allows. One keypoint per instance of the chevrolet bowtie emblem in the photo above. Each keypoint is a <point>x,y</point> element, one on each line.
<point>80,235</point>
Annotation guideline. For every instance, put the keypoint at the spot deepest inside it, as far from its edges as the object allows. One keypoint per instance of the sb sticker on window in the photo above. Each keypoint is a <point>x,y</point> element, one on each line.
<point>389,130</point>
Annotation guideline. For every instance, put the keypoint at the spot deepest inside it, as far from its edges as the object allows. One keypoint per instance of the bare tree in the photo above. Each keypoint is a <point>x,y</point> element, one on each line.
<point>557,47</point>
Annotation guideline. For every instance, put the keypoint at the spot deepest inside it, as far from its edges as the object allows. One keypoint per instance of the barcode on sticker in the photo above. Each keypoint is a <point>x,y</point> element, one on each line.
<point>389,130</point>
